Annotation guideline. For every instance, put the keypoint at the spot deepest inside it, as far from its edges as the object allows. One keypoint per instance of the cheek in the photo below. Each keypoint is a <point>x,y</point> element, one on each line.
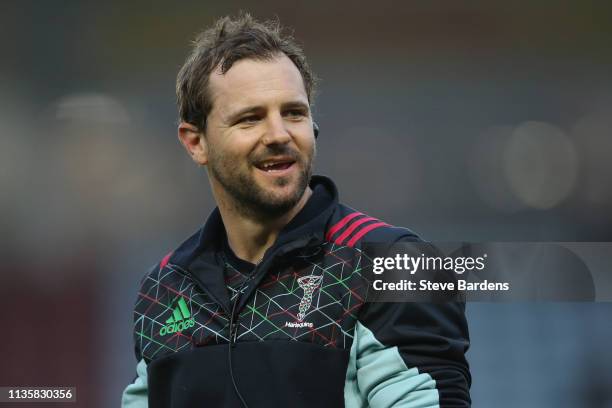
<point>308,147</point>
<point>234,150</point>
<point>303,137</point>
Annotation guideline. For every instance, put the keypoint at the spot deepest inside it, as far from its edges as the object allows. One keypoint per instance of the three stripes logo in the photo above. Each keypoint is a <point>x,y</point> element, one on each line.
<point>179,321</point>
<point>350,229</point>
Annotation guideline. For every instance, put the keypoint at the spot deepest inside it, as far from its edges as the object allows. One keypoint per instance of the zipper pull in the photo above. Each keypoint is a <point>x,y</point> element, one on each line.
<point>234,335</point>
<point>233,323</point>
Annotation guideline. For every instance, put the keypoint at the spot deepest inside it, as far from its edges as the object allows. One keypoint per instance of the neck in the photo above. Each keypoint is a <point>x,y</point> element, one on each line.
<point>249,236</point>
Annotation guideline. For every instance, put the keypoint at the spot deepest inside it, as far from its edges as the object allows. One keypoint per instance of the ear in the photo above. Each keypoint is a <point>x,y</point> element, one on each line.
<point>194,141</point>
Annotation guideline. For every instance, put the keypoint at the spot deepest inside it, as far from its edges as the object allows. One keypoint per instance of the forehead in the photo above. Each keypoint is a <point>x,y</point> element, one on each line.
<point>257,82</point>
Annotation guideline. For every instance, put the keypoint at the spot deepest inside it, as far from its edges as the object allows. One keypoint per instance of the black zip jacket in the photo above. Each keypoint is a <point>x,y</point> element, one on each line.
<point>299,332</point>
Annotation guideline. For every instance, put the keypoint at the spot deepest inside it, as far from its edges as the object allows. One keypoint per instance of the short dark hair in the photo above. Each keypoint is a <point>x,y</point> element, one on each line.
<point>227,41</point>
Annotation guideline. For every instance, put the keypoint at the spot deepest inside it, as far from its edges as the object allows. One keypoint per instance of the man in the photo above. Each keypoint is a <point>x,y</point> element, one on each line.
<point>266,305</point>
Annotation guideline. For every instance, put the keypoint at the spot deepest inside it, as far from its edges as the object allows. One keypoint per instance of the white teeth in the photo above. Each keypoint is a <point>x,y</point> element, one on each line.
<point>268,166</point>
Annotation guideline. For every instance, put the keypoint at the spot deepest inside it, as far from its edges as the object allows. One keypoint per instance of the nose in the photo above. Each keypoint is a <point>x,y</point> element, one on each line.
<point>275,132</point>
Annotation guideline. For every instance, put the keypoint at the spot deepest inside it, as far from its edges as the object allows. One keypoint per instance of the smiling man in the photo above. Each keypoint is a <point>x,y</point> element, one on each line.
<point>259,178</point>
<point>266,304</point>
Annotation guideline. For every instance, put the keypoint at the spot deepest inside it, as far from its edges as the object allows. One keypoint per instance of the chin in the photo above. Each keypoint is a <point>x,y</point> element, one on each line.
<point>284,196</point>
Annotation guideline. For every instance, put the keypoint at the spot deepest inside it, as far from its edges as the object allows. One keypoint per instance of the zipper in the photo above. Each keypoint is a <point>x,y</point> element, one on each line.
<point>234,319</point>
<point>234,316</point>
<point>234,322</point>
<point>266,262</point>
<point>232,344</point>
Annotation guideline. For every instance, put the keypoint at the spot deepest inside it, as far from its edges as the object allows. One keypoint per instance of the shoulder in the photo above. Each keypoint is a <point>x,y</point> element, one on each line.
<point>349,227</point>
<point>178,258</point>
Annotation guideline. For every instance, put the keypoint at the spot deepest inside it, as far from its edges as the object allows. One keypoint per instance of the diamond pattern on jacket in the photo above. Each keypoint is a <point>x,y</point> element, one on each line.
<point>271,312</point>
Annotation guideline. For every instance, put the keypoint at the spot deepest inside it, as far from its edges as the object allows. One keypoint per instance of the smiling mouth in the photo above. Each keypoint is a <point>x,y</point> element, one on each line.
<point>275,166</point>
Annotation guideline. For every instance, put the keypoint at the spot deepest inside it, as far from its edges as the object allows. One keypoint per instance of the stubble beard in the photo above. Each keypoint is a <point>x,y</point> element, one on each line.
<point>252,200</point>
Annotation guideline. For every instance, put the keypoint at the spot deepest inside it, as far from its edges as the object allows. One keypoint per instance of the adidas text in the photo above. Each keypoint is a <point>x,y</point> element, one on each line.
<point>176,327</point>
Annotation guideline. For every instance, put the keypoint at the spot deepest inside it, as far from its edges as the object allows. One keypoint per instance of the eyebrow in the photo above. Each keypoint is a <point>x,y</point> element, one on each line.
<point>258,108</point>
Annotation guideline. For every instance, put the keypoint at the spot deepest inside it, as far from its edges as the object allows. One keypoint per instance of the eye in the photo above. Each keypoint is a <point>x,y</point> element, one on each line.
<point>248,120</point>
<point>295,114</point>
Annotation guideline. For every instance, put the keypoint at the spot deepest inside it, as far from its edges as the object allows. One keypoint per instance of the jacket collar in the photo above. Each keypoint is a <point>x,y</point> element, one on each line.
<point>308,225</point>
<point>200,254</point>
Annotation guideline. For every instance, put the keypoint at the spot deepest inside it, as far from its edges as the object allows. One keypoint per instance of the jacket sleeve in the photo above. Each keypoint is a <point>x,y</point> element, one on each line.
<point>409,355</point>
<point>135,394</point>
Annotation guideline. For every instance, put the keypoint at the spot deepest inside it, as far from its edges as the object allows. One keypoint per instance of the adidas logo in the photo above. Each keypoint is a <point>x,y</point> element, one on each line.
<point>179,321</point>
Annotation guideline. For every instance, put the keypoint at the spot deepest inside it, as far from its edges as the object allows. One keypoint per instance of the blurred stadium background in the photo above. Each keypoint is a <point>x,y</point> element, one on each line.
<point>479,121</point>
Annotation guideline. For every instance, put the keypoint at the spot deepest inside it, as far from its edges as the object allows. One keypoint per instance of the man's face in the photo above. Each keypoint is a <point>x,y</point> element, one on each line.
<point>259,136</point>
